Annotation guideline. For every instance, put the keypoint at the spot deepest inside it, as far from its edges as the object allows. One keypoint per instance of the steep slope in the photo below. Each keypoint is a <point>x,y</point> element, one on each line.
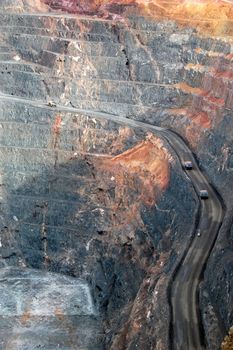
<point>87,200</point>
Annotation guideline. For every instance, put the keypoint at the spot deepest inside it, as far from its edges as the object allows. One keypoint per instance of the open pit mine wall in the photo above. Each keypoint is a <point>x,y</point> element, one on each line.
<point>159,70</point>
<point>82,195</point>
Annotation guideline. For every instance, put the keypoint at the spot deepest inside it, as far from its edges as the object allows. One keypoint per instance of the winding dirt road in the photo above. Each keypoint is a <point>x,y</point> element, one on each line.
<point>187,333</point>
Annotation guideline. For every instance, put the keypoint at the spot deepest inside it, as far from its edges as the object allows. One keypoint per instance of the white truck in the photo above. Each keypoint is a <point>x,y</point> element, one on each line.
<point>203,194</point>
<point>188,165</point>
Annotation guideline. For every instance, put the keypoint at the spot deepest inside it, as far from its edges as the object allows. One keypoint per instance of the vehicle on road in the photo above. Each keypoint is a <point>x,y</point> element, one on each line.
<point>198,233</point>
<point>203,194</point>
<point>188,165</point>
<point>51,104</point>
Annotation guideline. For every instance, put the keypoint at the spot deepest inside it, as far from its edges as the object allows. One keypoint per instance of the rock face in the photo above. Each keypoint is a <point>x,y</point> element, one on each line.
<point>84,194</point>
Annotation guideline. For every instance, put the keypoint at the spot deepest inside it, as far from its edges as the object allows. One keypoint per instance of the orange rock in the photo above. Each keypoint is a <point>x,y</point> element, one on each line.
<point>148,161</point>
<point>210,17</point>
<point>59,314</point>
<point>25,317</point>
<point>201,119</point>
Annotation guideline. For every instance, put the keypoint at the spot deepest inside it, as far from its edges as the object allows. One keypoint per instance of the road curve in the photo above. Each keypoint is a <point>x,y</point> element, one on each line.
<point>186,329</point>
